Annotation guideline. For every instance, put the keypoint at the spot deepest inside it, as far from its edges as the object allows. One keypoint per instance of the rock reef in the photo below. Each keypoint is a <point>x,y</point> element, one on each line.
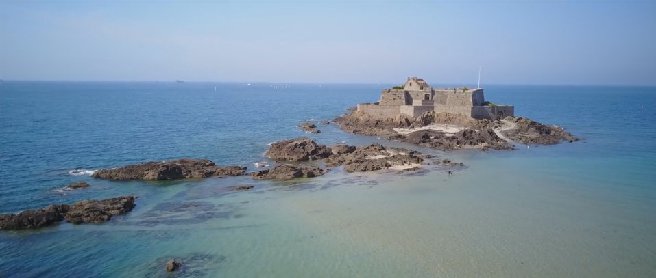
<point>88,211</point>
<point>373,158</point>
<point>298,149</point>
<point>354,159</point>
<point>288,172</point>
<point>169,170</point>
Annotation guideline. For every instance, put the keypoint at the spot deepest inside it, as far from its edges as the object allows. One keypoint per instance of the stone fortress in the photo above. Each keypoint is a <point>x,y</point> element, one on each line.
<point>416,97</point>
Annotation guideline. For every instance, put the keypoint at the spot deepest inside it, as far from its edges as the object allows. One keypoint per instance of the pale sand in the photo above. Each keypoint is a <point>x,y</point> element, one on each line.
<point>404,166</point>
<point>446,128</point>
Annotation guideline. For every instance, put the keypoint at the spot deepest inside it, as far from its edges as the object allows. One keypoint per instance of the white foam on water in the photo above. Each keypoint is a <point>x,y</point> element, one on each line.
<point>81,172</point>
<point>261,164</point>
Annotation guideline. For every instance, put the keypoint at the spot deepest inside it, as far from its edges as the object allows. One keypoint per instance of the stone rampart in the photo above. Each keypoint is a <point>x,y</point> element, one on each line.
<point>414,111</point>
<point>380,111</point>
<point>393,97</point>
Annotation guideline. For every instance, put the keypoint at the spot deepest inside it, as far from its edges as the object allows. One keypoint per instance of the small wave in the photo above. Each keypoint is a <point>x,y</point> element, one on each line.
<point>81,172</point>
<point>261,164</point>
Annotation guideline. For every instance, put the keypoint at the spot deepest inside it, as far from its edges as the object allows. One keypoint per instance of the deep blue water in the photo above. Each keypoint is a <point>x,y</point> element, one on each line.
<point>50,128</point>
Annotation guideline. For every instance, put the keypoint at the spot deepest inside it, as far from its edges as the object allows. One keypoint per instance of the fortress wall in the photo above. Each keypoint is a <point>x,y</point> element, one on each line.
<point>478,98</point>
<point>379,111</point>
<point>419,95</point>
<point>450,98</point>
<point>493,112</point>
<point>504,110</point>
<point>456,110</point>
<point>482,112</point>
<point>393,97</point>
<point>415,111</point>
<point>422,102</point>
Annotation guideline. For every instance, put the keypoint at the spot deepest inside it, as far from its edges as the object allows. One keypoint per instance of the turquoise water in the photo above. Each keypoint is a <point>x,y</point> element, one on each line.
<point>585,209</point>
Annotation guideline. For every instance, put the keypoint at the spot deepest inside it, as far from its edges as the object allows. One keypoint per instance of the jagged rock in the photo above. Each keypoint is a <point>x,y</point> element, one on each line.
<point>309,127</point>
<point>169,170</point>
<point>298,149</point>
<point>172,265</point>
<point>342,149</point>
<point>531,132</point>
<point>243,187</point>
<point>89,211</point>
<point>98,211</point>
<point>76,185</point>
<point>485,138</point>
<point>287,172</point>
<point>33,219</point>
<point>373,158</point>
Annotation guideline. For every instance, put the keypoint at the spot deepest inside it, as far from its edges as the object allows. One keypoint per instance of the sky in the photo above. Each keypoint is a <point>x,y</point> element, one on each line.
<point>558,42</point>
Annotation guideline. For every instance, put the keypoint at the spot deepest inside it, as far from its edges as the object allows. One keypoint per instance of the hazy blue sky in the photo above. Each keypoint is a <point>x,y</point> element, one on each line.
<point>516,42</point>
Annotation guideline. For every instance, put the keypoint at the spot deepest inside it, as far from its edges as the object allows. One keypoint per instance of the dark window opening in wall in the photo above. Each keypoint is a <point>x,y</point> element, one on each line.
<point>426,97</point>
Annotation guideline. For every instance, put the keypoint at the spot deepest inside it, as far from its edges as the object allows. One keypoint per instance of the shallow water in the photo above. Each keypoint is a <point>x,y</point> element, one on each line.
<point>572,210</point>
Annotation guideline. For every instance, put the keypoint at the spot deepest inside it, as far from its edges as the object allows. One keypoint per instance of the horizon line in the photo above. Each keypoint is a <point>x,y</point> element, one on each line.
<point>322,83</point>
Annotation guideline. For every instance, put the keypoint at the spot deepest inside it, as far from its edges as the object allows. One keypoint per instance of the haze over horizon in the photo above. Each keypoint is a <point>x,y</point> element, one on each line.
<point>516,42</point>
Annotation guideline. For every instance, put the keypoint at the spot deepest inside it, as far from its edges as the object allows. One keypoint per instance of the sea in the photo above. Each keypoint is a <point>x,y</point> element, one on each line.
<point>582,209</point>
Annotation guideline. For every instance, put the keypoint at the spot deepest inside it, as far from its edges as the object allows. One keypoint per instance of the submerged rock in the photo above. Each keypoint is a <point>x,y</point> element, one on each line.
<point>169,170</point>
<point>298,149</point>
<point>88,211</point>
<point>172,265</point>
<point>243,187</point>
<point>76,185</point>
<point>288,172</point>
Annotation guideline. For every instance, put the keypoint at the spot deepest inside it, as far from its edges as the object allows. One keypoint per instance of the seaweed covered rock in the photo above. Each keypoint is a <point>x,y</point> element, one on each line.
<point>169,170</point>
<point>288,172</point>
<point>298,149</point>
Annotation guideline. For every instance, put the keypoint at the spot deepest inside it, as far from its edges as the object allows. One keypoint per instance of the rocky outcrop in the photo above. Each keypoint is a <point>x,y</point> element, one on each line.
<point>89,211</point>
<point>33,219</point>
<point>309,127</point>
<point>532,132</point>
<point>374,157</point>
<point>288,172</point>
<point>98,211</point>
<point>76,185</point>
<point>467,138</point>
<point>298,149</point>
<point>170,170</point>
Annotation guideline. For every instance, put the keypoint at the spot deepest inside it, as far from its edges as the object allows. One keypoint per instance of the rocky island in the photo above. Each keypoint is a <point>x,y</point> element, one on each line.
<point>446,119</point>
